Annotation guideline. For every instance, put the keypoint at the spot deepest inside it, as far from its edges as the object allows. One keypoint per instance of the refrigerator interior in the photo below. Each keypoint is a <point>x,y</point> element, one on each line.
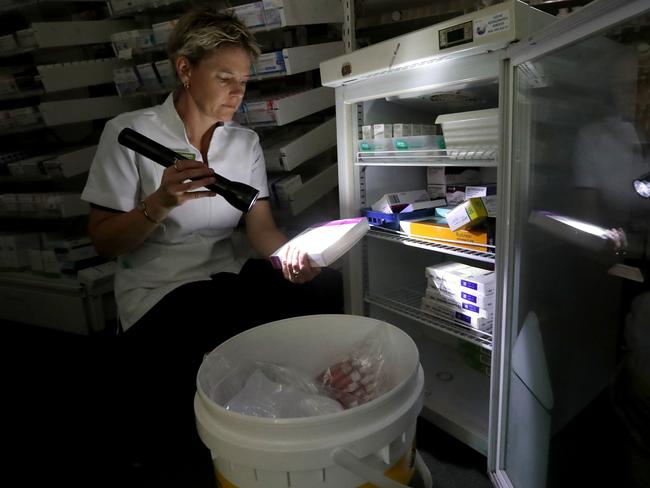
<point>456,358</point>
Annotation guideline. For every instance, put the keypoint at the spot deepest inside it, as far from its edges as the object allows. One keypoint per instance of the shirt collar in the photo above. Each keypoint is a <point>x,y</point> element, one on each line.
<point>174,120</point>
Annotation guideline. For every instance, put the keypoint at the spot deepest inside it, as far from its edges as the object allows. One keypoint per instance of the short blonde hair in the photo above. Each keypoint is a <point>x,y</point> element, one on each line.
<point>203,29</point>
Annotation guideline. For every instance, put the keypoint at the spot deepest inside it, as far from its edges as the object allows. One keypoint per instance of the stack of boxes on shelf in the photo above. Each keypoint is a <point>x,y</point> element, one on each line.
<point>42,205</point>
<point>148,77</point>
<point>46,254</point>
<point>400,137</point>
<point>18,79</point>
<point>466,218</point>
<point>462,292</point>
<point>154,77</point>
<point>19,117</point>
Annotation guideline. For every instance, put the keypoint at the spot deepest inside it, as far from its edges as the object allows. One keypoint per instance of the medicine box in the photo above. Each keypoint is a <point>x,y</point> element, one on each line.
<point>148,77</point>
<point>468,214</point>
<point>395,202</point>
<point>162,30</point>
<point>457,194</point>
<point>269,63</point>
<point>402,130</point>
<point>467,277</point>
<point>382,131</point>
<point>436,229</point>
<point>251,14</point>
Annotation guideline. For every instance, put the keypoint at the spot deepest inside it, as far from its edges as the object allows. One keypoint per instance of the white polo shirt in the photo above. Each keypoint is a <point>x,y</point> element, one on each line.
<point>194,241</point>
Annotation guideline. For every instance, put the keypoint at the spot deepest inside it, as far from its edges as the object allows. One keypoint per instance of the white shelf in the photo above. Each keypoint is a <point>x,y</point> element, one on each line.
<point>22,94</point>
<point>69,164</point>
<point>76,33</point>
<point>85,109</point>
<point>61,303</point>
<point>301,12</point>
<point>313,189</point>
<point>289,108</point>
<point>456,396</point>
<point>432,245</point>
<point>53,166</point>
<point>49,206</point>
<point>303,58</point>
<point>22,128</point>
<point>77,74</point>
<point>469,157</point>
<point>27,278</point>
<point>292,150</point>
<point>16,52</point>
<point>123,8</point>
<point>19,4</point>
<point>306,58</point>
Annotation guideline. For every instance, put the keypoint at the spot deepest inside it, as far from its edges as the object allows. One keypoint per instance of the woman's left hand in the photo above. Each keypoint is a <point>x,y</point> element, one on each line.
<point>296,266</point>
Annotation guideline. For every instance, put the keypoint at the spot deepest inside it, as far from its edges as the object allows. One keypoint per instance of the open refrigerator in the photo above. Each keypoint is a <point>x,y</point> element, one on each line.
<point>557,392</point>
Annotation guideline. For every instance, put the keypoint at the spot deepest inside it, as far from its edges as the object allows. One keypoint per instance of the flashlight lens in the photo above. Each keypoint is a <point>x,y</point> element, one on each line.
<point>642,187</point>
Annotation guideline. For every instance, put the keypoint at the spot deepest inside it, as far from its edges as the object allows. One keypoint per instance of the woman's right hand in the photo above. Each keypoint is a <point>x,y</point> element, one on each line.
<point>178,184</point>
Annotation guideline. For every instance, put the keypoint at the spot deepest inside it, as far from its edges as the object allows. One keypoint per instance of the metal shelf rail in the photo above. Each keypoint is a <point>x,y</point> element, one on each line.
<point>423,243</point>
<point>406,302</point>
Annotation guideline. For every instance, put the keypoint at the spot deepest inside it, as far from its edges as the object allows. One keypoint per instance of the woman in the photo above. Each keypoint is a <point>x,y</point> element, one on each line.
<point>179,290</point>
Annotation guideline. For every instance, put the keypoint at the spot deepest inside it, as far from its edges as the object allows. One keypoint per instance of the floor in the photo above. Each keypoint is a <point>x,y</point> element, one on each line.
<point>60,424</point>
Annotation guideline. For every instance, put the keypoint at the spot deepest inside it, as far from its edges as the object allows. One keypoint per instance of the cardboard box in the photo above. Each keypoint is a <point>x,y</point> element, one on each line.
<point>251,14</point>
<point>457,194</point>
<point>457,315</point>
<point>436,229</point>
<point>269,63</point>
<point>396,202</point>
<point>468,214</point>
<point>453,300</point>
<point>459,294</point>
<point>402,130</point>
<point>148,77</point>
<point>382,131</point>
<point>464,276</point>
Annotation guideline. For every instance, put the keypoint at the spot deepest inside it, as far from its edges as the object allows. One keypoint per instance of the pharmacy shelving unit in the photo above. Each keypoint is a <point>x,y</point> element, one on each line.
<point>82,305</point>
<point>284,118</point>
<point>287,148</point>
<point>47,149</point>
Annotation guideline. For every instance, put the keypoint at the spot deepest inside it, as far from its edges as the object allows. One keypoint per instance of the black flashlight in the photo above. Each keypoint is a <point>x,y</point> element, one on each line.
<point>239,195</point>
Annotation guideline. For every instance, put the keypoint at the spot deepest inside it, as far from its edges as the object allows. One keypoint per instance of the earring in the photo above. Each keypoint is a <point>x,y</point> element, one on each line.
<point>186,84</point>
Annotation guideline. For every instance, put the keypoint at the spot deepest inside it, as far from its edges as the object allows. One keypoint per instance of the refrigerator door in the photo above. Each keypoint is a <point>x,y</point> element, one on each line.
<point>573,402</point>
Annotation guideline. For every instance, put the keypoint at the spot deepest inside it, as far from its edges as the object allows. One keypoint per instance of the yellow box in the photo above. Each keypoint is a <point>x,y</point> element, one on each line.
<point>438,230</point>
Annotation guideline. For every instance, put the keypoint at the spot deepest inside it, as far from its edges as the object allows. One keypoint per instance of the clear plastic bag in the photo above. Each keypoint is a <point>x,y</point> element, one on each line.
<point>262,397</point>
<point>269,390</point>
<point>359,376</point>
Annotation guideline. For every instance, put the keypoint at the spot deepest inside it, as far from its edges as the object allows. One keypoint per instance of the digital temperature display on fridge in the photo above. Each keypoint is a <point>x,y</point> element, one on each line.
<point>456,35</point>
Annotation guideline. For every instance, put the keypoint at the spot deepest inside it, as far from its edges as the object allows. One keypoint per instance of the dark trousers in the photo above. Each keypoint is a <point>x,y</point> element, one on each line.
<point>162,352</point>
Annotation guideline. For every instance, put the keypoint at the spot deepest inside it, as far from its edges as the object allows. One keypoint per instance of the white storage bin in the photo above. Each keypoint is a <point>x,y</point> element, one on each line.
<point>471,135</point>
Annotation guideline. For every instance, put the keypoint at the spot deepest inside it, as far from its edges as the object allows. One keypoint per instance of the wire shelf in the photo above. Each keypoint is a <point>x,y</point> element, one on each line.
<point>406,302</point>
<point>470,156</point>
<point>424,243</point>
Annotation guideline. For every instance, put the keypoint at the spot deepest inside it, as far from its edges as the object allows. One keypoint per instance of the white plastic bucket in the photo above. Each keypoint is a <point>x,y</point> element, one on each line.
<point>371,445</point>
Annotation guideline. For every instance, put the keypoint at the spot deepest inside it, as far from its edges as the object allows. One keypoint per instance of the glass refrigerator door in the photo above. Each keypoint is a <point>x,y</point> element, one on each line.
<point>574,405</point>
